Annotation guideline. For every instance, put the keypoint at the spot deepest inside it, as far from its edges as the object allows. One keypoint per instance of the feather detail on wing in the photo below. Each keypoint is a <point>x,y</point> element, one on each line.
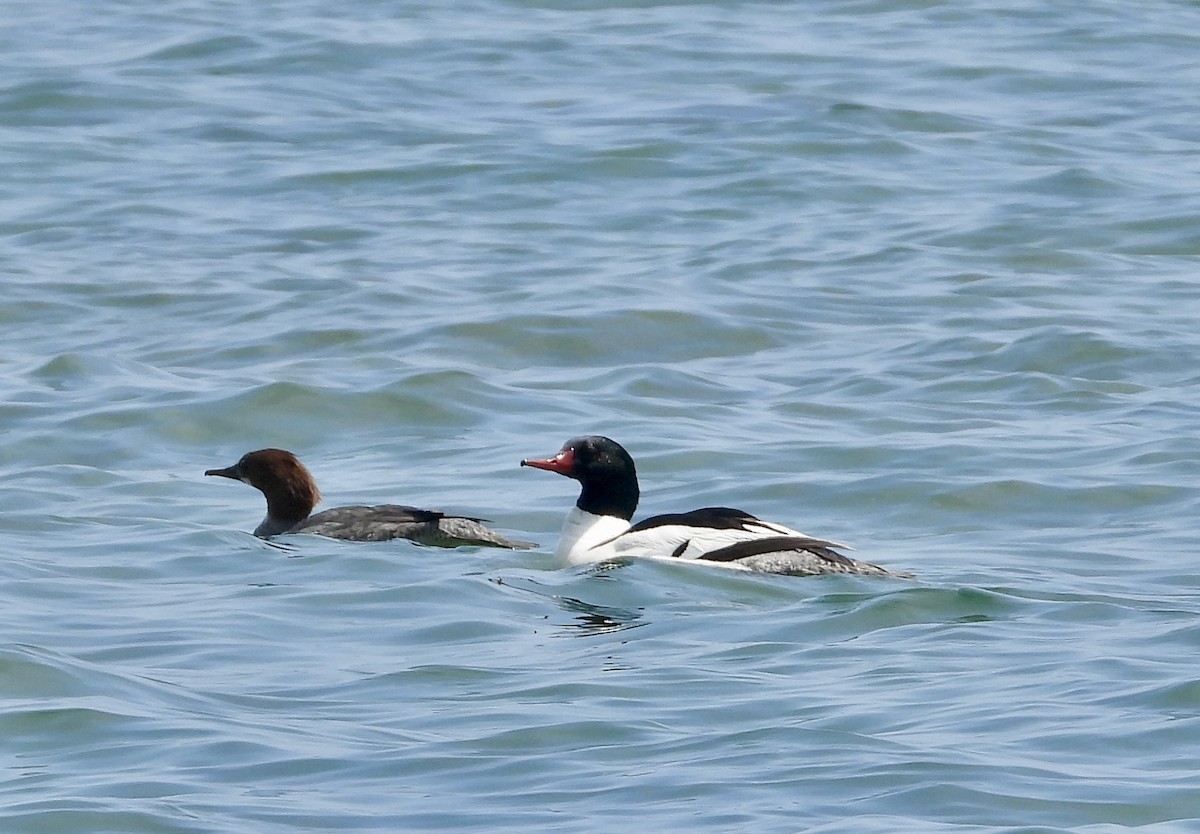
<point>694,534</point>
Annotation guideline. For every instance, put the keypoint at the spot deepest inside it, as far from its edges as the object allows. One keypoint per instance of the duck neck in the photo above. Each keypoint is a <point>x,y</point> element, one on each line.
<point>283,513</point>
<point>612,498</point>
<point>272,526</point>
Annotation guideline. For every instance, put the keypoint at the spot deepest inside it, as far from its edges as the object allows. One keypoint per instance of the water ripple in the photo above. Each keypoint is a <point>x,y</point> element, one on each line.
<point>915,276</point>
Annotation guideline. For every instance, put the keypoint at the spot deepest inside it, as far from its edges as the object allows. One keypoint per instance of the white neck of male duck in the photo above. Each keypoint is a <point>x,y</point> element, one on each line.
<point>608,494</point>
<point>582,534</point>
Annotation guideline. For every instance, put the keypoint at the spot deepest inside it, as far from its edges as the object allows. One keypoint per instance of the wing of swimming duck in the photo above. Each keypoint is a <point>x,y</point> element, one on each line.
<point>378,523</point>
<point>795,556</point>
<point>398,521</point>
<point>693,534</point>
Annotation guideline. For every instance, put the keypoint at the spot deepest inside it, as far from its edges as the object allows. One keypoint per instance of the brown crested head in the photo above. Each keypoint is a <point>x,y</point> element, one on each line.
<point>286,482</point>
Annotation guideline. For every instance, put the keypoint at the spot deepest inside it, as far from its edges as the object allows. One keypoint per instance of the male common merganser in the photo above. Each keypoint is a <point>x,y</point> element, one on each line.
<point>598,527</point>
<point>292,493</point>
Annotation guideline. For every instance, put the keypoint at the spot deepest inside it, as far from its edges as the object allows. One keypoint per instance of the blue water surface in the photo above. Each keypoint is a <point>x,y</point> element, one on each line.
<point>916,276</point>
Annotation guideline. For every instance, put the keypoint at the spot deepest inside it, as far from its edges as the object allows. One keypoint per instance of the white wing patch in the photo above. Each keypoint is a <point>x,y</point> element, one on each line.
<point>683,541</point>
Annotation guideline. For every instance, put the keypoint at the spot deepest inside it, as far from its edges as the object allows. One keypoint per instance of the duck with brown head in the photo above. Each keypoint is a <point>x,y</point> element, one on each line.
<point>292,493</point>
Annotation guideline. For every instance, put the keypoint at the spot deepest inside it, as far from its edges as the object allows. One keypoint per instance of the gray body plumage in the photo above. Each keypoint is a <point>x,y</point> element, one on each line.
<point>396,521</point>
<point>801,562</point>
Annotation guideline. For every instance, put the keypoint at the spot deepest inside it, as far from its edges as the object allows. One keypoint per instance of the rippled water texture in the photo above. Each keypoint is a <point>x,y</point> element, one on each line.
<point>917,276</point>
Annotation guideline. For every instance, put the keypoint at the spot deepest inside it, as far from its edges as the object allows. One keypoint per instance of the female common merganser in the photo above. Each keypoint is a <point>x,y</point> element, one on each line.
<point>292,493</point>
<point>598,526</point>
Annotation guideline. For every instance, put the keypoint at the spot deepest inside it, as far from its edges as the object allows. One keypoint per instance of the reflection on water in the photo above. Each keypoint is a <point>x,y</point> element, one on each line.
<point>588,618</point>
<point>596,619</point>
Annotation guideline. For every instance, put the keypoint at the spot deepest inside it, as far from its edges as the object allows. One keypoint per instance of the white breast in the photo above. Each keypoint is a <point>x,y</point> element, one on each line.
<point>583,531</point>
